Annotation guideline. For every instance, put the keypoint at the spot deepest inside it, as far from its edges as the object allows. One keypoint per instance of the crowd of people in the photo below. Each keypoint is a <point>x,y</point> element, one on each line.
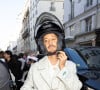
<point>14,69</point>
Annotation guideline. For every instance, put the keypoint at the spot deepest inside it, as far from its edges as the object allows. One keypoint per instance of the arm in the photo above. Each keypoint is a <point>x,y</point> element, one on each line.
<point>68,73</point>
<point>69,76</point>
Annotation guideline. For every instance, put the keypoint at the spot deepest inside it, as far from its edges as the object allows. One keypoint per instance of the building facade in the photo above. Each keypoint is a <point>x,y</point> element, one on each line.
<point>26,31</point>
<point>23,42</point>
<point>82,22</point>
<point>12,47</point>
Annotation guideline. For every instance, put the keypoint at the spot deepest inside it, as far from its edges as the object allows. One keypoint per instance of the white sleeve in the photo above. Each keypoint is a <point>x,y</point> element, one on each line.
<point>69,77</point>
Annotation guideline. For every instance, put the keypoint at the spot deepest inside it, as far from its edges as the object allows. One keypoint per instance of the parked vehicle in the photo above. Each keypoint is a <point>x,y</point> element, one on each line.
<point>87,60</point>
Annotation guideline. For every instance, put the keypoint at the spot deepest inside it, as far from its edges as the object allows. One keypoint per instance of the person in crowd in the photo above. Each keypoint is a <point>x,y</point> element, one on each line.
<point>31,59</point>
<point>54,71</point>
<point>25,56</point>
<point>22,60</point>
<point>4,73</point>
<point>14,66</point>
<point>24,69</point>
<point>2,56</point>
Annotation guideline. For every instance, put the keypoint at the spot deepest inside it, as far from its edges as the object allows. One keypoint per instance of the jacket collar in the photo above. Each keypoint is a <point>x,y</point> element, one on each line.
<point>43,67</point>
<point>43,63</point>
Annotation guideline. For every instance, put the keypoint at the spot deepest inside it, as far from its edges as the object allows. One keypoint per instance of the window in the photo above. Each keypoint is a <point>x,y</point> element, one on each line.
<point>52,7</point>
<point>72,3</point>
<point>33,15</point>
<point>33,26</point>
<point>36,12</point>
<point>79,1</point>
<point>89,2</point>
<point>71,30</point>
<point>88,24</point>
<point>63,5</point>
<point>33,3</point>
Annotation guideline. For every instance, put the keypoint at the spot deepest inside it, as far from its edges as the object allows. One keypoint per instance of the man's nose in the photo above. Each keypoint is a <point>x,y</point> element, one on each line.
<point>50,42</point>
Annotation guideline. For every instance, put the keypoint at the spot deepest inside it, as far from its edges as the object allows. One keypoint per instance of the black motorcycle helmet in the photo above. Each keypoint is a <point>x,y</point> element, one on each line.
<point>48,23</point>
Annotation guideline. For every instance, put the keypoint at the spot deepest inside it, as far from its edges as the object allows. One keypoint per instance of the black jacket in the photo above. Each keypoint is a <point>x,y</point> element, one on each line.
<point>15,67</point>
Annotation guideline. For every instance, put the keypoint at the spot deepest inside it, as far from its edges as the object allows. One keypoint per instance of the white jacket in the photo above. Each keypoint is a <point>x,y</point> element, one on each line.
<point>38,77</point>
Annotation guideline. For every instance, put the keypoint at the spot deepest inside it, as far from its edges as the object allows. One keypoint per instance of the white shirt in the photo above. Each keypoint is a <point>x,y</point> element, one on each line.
<point>53,70</point>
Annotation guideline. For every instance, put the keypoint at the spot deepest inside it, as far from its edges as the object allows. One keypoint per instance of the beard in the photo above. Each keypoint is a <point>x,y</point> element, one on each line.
<point>49,53</point>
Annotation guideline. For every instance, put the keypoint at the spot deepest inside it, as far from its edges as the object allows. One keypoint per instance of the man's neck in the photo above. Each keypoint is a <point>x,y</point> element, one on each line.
<point>8,59</point>
<point>53,59</point>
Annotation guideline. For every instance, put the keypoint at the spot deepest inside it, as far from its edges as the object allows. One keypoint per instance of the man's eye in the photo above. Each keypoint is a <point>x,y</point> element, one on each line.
<point>45,40</point>
<point>53,39</point>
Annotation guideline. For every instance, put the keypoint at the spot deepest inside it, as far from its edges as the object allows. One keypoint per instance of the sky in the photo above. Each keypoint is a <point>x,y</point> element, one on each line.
<point>10,21</point>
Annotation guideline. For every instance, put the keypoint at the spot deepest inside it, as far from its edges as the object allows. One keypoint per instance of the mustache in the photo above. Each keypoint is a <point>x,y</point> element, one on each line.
<point>51,53</point>
<point>51,46</point>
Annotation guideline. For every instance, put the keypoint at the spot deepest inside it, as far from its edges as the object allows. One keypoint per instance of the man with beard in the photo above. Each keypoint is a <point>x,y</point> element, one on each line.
<point>53,71</point>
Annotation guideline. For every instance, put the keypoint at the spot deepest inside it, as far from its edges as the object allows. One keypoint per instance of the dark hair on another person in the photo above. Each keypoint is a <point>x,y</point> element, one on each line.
<point>1,54</point>
<point>20,55</point>
<point>9,52</point>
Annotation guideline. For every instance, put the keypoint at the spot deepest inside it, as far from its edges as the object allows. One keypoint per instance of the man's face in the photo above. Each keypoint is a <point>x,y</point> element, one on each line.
<point>6,56</point>
<point>50,42</point>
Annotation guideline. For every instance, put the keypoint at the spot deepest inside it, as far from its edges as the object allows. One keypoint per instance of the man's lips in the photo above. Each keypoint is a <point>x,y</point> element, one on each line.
<point>52,46</point>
